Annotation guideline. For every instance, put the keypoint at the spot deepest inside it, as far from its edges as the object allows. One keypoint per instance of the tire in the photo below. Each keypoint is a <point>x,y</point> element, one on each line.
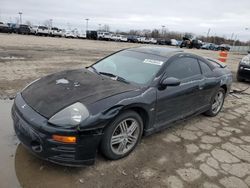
<point>213,111</point>
<point>124,143</point>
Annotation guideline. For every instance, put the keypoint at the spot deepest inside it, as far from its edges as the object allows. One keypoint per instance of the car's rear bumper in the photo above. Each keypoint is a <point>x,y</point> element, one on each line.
<point>243,72</point>
<point>35,133</point>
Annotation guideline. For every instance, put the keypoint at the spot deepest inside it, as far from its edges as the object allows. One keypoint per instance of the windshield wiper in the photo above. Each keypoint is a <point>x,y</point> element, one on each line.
<point>115,77</point>
<point>94,69</point>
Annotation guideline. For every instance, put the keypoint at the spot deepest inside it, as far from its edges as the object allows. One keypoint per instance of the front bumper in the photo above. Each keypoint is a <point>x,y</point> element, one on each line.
<point>35,134</point>
<point>243,72</point>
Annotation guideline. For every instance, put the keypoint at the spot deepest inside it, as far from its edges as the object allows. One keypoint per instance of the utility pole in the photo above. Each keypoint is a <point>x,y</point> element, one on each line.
<point>235,40</point>
<point>247,29</point>
<point>51,23</point>
<point>209,29</point>
<point>214,38</point>
<point>232,36</point>
<point>87,23</point>
<point>99,27</point>
<point>162,29</point>
<point>20,17</point>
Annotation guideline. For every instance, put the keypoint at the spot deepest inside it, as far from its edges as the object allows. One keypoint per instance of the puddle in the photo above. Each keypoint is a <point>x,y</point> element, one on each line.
<point>19,168</point>
<point>7,147</point>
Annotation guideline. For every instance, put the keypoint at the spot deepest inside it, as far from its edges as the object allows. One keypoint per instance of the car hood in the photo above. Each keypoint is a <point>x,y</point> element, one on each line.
<point>52,93</point>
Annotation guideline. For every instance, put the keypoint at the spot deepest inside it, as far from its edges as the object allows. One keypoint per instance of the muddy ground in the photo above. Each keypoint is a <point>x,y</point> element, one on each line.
<point>199,152</point>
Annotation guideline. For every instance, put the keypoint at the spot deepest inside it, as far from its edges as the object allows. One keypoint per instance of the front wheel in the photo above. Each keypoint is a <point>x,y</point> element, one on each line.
<point>122,136</point>
<point>217,104</point>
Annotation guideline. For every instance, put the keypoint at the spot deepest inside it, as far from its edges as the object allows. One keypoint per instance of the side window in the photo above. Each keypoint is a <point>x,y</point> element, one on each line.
<point>183,67</point>
<point>204,67</point>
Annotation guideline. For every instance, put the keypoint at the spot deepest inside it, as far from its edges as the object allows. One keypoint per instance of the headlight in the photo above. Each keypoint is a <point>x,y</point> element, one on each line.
<point>71,116</point>
<point>245,60</point>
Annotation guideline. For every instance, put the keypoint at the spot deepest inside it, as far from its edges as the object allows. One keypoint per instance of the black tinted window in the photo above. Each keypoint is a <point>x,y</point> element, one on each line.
<point>184,67</point>
<point>204,67</point>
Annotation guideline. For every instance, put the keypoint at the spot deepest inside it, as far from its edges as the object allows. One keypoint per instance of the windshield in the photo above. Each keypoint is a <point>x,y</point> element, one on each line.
<point>135,67</point>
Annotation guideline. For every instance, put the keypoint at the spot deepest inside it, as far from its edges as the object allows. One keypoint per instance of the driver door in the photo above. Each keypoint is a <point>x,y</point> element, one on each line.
<point>177,102</point>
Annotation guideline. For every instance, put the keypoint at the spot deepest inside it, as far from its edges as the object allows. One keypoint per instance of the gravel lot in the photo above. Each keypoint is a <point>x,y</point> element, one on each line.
<point>198,152</point>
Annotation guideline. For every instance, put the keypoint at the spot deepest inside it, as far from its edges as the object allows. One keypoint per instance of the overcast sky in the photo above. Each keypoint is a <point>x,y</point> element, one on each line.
<point>224,17</point>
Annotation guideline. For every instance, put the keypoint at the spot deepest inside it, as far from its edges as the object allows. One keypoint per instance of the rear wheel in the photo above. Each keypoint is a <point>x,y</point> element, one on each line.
<point>122,136</point>
<point>217,104</point>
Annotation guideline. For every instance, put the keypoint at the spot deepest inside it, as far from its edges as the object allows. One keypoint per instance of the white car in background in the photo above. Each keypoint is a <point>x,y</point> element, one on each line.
<point>174,42</point>
<point>54,31</point>
<point>124,38</point>
<point>82,35</point>
<point>70,34</point>
<point>115,37</point>
<point>42,30</point>
<point>104,36</point>
<point>143,40</point>
<point>152,41</point>
<point>118,37</point>
<point>33,29</point>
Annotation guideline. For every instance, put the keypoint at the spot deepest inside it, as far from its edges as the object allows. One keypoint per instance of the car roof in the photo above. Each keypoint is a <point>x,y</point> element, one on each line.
<point>159,51</point>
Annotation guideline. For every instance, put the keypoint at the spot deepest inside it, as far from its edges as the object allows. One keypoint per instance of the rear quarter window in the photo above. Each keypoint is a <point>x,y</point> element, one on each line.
<point>205,68</point>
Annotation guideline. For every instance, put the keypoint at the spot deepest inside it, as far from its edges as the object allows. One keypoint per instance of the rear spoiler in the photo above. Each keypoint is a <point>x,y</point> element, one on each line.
<point>222,65</point>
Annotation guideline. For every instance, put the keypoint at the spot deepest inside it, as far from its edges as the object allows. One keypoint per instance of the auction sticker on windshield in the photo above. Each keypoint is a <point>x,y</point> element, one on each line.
<point>152,61</point>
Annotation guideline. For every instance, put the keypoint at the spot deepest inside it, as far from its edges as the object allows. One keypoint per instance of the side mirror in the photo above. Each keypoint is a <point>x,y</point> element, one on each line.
<point>170,81</point>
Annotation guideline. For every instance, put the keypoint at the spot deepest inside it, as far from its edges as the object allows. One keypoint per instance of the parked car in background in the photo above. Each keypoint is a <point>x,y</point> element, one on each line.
<point>118,37</point>
<point>33,29</point>
<point>132,38</point>
<point>147,40</point>
<point>104,35</point>
<point>243,72</point>
<point>55,32</point>
<point>209,46</point>
<point>114,102</point>
<point>224,46</point>
<point>174,42</point>
<point>152,41</point>
<point>124,38</point>
<point>23,29</point>
<point>92,35</point>
<point>141,39</point>
<point>12,27</point>
<point>206,46</point>
<point>179,42</point>
<point>82,35</point>
<point>70,34</point>
<point>42,31</point>
<point>163,41</point>
<point>4,28</point>
<point>115,37</point>
<point>191,43</point>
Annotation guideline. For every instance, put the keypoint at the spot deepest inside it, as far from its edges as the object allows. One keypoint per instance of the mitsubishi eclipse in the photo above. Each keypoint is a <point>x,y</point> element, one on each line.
<point>107,107</point>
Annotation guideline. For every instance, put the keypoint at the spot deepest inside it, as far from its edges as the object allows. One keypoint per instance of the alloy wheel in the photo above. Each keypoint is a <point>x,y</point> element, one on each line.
<point>218,102</point>
<point>125,136</point>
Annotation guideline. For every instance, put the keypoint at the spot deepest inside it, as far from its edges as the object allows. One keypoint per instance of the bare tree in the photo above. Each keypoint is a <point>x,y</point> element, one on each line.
<point>155,33</point>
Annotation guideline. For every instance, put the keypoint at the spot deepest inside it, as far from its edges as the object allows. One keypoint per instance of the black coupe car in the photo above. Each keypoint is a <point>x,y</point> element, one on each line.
<point>66,117</point>
<point>243,72</point>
